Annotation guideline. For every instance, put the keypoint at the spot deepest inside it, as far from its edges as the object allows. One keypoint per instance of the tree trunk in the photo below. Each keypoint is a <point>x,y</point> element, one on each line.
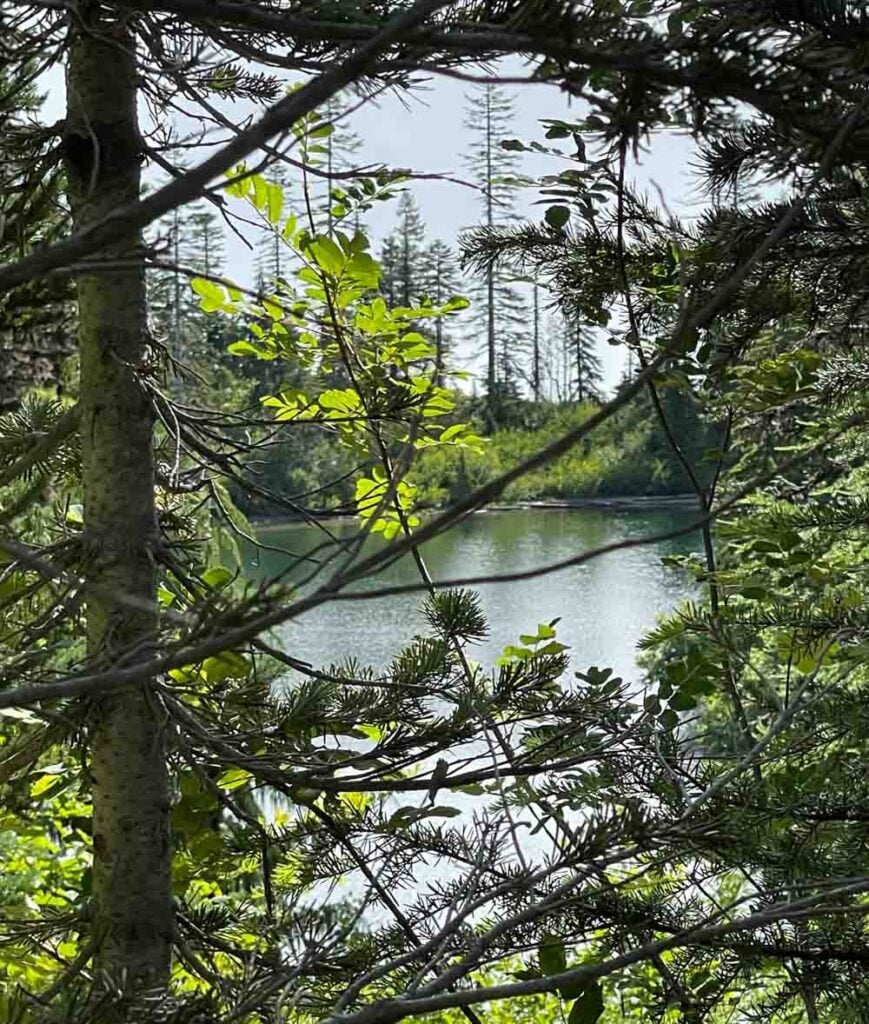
<point>535,366</point>
<point>133,915</point>
<point>491,357</point>
<point>491,371</point>
<point>440,360</point>
<point>580,376</point>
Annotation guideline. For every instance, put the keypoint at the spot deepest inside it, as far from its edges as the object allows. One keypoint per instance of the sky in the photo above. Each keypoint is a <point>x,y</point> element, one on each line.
<point>422,130</point>
<point>425,133</point>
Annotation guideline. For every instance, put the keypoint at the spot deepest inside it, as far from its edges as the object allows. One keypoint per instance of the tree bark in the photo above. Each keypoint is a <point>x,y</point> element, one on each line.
<point>133,907</point>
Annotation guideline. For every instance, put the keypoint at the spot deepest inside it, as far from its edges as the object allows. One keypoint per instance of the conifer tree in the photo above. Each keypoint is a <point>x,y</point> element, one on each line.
<point>207,254</point>
<point>416,271</point>
<point>404,255</point>
<point>580,344</point>
<point>441,282</point>
<point>172,308</point>
<point>35,319</point>
<point>206,242</point>
<point>536,368</point>
<point>108,55</point>
<point>557,358</point>
<point>679,879</point>
<point>390,261</point>
<point>133,909</point>
<point>489,117</point>
<point>270,262</point>
<point>342,146</point>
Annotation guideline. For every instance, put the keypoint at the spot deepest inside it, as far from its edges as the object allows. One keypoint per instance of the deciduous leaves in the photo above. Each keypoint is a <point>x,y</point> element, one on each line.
<point>588,1007</point>
<point>552,955</point>
<point>557,217</point>
<point>534,645</point>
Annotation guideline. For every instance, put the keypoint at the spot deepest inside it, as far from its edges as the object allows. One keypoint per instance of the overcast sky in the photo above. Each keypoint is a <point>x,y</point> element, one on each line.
<point>423,131</point>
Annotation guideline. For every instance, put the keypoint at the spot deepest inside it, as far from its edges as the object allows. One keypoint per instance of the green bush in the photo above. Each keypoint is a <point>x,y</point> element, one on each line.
<point>627,456</point>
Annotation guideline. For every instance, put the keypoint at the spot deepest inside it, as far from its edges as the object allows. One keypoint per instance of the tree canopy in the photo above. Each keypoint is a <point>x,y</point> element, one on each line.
<point>197,824</point>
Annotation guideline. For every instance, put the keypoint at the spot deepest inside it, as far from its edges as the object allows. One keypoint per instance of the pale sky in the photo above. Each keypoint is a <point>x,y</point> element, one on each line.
<point>423,131</point>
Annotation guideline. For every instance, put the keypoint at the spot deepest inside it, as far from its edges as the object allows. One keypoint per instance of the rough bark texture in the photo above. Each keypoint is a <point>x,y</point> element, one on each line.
<point>133,915</point>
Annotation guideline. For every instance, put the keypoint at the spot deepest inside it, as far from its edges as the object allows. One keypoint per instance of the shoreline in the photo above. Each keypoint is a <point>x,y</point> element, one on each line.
<point>627,503</point>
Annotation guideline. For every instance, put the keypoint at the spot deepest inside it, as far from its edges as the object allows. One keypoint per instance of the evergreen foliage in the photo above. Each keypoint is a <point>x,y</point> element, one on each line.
<point>501,315</point>
<point>404,256</point>
<point>35,318</point>
<point>181,794</point>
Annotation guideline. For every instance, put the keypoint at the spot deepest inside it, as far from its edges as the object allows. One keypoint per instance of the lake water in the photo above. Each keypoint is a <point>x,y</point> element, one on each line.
<point>605,605</point>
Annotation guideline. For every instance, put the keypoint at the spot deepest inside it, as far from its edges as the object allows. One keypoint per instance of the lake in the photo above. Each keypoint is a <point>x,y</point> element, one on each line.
<point>605,605</point>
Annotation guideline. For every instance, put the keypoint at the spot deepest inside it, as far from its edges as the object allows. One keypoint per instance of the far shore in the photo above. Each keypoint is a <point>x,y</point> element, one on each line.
<point>635,503</point>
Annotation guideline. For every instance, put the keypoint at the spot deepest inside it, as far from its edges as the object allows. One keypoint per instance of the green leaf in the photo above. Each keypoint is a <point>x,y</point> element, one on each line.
<point>558,131</point>
<point>234,778</point>
<point>226,665</point>
<point>290,226</point>
<point>363,269</point>
<point>344,401</point>
<point>454,431</point>
<point>260,192</point>
<point>442,811</point>
<point>275,203</point>
<point>552,955</point>
<point>513,653</point>
<point>327,255</point>
<point>212,296</point>
<point>669,720</point>
<point>553,647</point>
<point>43,784</point>
<point>218,576</point>
<point>589,1007</point>
<point>544,632</point>
<point>244,348</point>
<point>683,701</point>
<point>557,216</point>
<point>239,182</point>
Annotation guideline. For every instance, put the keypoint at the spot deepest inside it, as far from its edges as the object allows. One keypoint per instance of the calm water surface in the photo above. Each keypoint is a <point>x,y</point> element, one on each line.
<point>605,605</point>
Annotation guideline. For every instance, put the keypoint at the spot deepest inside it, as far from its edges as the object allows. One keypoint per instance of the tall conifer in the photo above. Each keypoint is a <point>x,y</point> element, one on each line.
<point>501,318</point>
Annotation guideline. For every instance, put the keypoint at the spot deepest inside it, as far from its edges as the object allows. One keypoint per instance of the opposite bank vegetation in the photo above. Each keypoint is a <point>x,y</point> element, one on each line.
<point>629,457</point>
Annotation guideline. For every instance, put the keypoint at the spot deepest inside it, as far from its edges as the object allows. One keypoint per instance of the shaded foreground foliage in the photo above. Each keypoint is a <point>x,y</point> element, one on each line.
<point>182,796</point>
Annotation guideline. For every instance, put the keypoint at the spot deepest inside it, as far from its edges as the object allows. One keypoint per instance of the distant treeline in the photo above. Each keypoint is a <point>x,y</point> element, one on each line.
<point>627,456</point>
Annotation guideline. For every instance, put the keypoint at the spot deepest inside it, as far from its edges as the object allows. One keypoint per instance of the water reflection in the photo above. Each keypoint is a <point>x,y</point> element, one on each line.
<point>604,605</point>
